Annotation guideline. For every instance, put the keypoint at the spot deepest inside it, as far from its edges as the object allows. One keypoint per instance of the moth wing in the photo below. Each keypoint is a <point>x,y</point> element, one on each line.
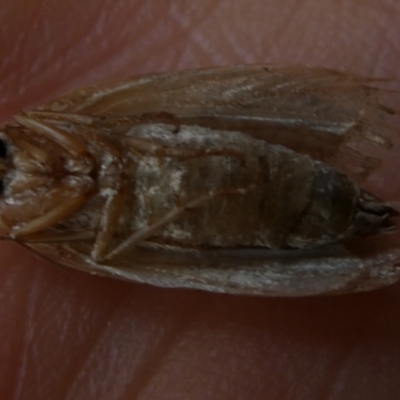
<point>262,272</point>
<point>332,116</point>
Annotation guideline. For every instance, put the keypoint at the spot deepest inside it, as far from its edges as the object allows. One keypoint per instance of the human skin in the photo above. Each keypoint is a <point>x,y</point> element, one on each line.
<point>68,335</point>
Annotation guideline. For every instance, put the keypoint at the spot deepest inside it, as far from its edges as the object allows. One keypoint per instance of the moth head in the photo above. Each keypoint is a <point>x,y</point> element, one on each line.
<point>3,166</point>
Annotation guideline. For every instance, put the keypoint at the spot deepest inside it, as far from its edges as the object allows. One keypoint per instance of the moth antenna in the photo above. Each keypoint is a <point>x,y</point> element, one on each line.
<point>69,117</point>
<point>3,168</point>
<point>377,140</point>
<point>65,140</point>
<point>389,110</point>
<point>35,152</point>
<point>388,90</point>
<point>394,206</point>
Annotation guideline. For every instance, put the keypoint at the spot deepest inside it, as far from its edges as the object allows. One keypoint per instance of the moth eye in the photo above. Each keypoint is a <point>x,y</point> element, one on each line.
<point>3,155</point>
<point>3,149</point>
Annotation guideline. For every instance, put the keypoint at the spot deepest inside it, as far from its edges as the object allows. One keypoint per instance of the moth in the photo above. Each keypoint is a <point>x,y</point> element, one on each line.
<point>243,179</point>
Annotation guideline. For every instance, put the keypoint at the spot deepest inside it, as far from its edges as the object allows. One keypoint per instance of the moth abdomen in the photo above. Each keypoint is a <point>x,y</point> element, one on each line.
<point>261,195</point>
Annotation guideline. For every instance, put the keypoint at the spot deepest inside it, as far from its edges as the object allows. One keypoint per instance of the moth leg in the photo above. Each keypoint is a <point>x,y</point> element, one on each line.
<point>108,223</point>
<point>50,218</point>
<point>112,183</point>
<point>147,231</point>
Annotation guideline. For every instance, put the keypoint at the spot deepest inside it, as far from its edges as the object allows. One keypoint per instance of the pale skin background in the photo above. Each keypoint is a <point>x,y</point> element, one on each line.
<point>68,335</point>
